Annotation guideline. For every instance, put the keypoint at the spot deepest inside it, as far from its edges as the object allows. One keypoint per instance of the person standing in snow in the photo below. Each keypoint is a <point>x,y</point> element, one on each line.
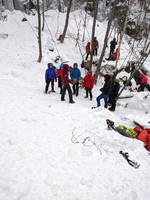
<point>88,83</point>
<point>106,90</point>
<point>113,94</point>
<point>113,44</point>
<point>66,85</point>
<point>88,50</point>
<point>59,74</point>
<point>50,76</point>
<point>95,46</point>
<point>75,75</point>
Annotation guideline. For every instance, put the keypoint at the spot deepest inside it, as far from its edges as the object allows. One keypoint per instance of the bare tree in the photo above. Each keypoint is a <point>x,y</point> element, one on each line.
<point>39,32</point>
<point>111,16</point>
<point>103,50</point>
<point>43,14</point>
<point>93,29</point>
<point>66,22</point>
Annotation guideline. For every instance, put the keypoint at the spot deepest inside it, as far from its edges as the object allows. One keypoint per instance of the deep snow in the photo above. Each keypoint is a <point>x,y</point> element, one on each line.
<point>42,155</point>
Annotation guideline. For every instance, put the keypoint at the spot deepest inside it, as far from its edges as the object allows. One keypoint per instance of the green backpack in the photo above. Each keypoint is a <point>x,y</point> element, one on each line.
<point>128,132</point>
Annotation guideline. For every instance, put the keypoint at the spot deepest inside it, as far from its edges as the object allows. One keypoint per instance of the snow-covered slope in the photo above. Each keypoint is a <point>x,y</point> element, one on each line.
<point>43,151</point>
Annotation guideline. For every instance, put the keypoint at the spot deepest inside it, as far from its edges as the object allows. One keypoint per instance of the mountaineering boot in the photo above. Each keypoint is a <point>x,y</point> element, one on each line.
<point>111,109</point>
<point>105,106</point>
<point>62,99</point>
<point>71,101</point>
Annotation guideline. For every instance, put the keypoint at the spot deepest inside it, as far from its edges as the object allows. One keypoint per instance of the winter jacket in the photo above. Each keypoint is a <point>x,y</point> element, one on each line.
<point>95,43</point>
<point>75,74</point>
<point>59,72</point>
<point>113,44</point>
<point>88,47</point>
<point>64,77</point>
<point>115,89</point>
<point>50,73</point>
<point>144,136</point>
<point>116,55</point>
<point>88,81</point>
<point>142,79</point>
<point>107,87</point>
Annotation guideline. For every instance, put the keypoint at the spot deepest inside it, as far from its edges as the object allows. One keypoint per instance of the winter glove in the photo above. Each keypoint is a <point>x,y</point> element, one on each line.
<point>55,79</point>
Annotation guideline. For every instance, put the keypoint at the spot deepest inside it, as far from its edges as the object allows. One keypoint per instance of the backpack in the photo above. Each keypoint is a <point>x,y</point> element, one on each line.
<point>128,132</point>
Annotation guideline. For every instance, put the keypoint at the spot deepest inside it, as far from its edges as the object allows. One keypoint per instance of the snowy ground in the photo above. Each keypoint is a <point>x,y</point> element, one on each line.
<point>41,138</point>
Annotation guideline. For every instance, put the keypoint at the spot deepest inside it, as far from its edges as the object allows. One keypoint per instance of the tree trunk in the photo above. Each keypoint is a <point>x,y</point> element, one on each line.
<point>43,14</point>
<point>93,29</point>
<point>39,32</point>
<point>122,32</point>
<point>105,42</point>
<point>9,4</point>
<point>103,50</point>
<point>66,22</point>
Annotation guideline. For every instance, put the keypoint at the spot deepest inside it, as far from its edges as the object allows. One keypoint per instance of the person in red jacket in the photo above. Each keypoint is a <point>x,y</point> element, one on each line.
<point>116,55</point>
<point>88,83</point>
<point>142,80</point>
<point>95,46</point>
<point>88,50</point>
<point>59,75</point>
<point>66,85</point>
<point>144,136</point>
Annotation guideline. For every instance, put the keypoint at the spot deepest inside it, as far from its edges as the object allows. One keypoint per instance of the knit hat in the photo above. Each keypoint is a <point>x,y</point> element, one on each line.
<point>49,64</point>
<point>90,71</point>
<point>65,67</point>
<point>75,64</point>
<point>61,66</point>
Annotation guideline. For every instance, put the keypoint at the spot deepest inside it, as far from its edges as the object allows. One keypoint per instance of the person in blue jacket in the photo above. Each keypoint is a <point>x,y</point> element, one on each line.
<point>75,75</point>
<point>50,76</point>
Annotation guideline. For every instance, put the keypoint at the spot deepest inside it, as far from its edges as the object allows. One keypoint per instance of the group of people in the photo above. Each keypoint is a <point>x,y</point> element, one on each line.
<point>88,48</point>
<point>113,55</point>
<point>109,90</point>
<point>64,81</point>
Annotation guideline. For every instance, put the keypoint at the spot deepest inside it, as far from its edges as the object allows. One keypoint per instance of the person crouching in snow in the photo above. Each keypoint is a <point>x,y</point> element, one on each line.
<point>106,90</point>
<point>115,55</point>
<point>142,80</point>
<point>88,84</point>
<point>65,83</point>
<point>50,76</point>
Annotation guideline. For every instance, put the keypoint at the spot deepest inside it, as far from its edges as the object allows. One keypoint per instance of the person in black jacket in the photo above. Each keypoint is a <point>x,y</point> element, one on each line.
<point>113,44</point>
<point>113,94</point>
<point>106,90</point>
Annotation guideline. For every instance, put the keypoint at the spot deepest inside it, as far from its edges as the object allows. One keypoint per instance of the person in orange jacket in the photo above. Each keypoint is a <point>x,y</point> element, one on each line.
<point>95,46</point>
<point>144,136</point>
<point>116,54</point>
<point>88,50</point>
<point>142,80</point>
<point>88,83</point>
